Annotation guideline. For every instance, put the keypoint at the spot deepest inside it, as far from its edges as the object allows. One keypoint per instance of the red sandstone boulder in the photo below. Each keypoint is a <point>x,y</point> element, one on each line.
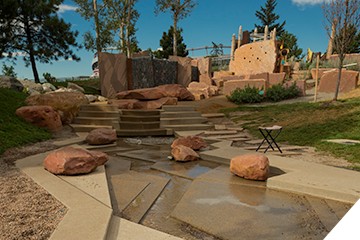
<point>250,166</point>
<point>67,102</point>
<point>123,103</point>
<point>193,142</point>
<point>73,161</point>
<point>41,116</point>
<point>168,90</point>
<point>101,136</point>
<point>184,154</point>
<point>155,104</point>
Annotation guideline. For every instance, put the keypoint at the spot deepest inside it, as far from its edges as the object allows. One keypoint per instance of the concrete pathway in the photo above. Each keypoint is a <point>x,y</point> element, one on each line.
<point>213,197</point>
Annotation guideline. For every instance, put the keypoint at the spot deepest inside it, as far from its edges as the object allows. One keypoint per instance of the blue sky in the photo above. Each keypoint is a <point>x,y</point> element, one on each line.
<point>211,21</point>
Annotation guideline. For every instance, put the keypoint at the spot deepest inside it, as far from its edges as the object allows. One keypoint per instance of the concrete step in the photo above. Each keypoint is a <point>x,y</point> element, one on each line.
<point>188,127</point>
<point>98,107</point>
<point>135,118</point>
<point>139,125</point>
<point>180,114</point>
<point>144,132</point>
<point>87,128</point>
<point>140,112</point>
<point>95,120</point>
<point>183,120</point>
<point>99,114</point>
<point>137,209</point>
<point>177,108</point>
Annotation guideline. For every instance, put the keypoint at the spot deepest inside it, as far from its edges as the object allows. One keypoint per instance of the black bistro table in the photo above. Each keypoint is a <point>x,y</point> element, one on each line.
<point>270,134</point>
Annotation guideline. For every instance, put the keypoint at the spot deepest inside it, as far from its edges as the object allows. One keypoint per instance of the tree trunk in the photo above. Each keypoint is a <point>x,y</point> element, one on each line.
<point>122,38</point>
<point>97,32</point>
<point>175,37</point>
<point>339,77</point>
<point>97,27</point>
<point>31,52</point>
<point>128,19</point>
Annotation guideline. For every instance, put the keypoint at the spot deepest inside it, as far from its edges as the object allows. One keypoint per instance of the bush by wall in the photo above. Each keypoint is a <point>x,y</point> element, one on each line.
<point>246,95</point>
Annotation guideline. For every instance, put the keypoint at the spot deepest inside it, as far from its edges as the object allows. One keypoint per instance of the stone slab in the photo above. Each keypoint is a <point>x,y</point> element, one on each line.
<point>146,155</point>
<point>188,133</point>
<point>86,218</point>
<point>122,229</point>
<point>278,213</point>
<point>344,141</point>
<point>213,115</point>
<point>117,165</point>
<point>125,191</point>
<point>69,141</point>
<point>139,207</point>
<point>99,147</point>
<point>225,132</point>
<point>94,184</point>
<point>349,81</point>
<point>188,170</point>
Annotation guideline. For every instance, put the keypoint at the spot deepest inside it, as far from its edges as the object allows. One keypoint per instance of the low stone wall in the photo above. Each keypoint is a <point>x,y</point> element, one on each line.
<point>276,78</point>
<point>231,85</point>
<point>349,81</point>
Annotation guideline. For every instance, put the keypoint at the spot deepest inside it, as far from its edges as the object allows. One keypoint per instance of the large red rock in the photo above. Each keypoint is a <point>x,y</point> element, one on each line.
<point>67,102</point>
<point>167,90</point>
<point>184,154</point>
<point>101,136</point>
<point>155,104</point>
<point>41,116</point>
<point>254,58</point>
<point>74,161</point>
<point>349,81</point>
<point>251,166</point>
<point>123,103</point>
<point>193,142</point>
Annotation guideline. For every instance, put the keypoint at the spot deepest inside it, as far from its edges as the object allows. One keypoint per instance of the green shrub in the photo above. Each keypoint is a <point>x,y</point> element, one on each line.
<point>246,95</point>
<point>279,92</point>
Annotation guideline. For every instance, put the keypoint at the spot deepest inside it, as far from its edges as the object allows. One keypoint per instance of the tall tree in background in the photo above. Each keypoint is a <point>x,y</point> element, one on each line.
<point>167,43</point>
<point>290,42</point>
<point>91,10</point>
<point>342,16</point>
<point>354,46</point>
<point>37,31</point>
<point>267,16</point>
<point>179,10</point>
<point>122,18</point>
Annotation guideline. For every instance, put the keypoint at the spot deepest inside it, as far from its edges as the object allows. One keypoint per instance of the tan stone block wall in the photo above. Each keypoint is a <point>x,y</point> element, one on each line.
<point>349,81</point>
<point>231,85</point>
<point>184,69</point>
<point>276,78</point>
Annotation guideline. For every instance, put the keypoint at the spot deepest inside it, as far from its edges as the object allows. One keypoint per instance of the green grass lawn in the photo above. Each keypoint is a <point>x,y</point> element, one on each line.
<point>308,124</point>
<point>14,131</point>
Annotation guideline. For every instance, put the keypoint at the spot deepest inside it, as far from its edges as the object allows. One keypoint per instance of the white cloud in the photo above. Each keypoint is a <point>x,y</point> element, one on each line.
<point>64,7</point>
<point>309,2</point>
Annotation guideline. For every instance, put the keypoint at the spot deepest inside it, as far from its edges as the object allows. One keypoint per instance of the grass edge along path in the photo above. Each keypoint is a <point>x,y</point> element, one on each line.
<point>308,124</point>
<point>14,131</point>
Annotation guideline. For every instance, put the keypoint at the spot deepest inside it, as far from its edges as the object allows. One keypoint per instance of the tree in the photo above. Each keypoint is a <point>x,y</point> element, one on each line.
<point>37,31</point>
<point>179,9</point>
<point>122,18</point>
<point>342,16</point>
<point>268,17</point>
<point>167,41</point>
<point>9,71</point>
<point>354,46</point>
<point>290,42</point>
<point>91,10</point>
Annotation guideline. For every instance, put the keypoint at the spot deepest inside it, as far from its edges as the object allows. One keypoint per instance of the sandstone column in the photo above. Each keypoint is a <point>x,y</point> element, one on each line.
<point>239,36</point>
<point>266,32</point>
<point>233,42</point>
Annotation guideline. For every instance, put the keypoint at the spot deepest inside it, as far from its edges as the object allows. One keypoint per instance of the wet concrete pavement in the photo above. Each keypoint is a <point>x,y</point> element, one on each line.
<point>203,200</point>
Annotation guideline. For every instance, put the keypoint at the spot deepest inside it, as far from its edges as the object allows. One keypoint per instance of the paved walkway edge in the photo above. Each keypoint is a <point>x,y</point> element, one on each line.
<point>89,215</point>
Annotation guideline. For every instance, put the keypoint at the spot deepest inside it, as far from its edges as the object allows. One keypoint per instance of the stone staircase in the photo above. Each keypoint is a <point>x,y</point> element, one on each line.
<point>92,116</point>
<point>183,118</point>
<point>140,122</point>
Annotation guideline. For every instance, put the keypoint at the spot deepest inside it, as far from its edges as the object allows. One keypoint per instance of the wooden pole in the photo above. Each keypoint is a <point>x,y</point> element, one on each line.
<point>316,75</point>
